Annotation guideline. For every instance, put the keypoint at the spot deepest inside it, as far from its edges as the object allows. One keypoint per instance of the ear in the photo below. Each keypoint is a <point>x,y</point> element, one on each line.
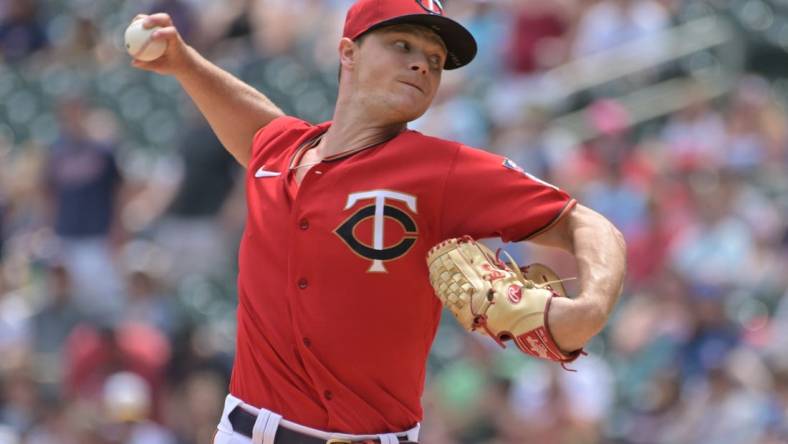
<point>348,53</point>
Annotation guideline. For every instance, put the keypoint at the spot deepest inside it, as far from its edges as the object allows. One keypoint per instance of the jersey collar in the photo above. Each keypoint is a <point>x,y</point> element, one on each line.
<point>312,141</point>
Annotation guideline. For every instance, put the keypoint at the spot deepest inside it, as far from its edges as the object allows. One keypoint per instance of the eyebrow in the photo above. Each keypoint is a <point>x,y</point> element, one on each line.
<point>432,37</point>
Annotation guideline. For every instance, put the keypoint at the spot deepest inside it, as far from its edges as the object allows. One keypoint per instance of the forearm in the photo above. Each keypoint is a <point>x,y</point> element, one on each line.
<point>600,252</point>
<point>234,109</point>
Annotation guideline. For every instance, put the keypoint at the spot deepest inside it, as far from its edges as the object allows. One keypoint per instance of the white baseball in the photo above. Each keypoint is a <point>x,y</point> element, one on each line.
<point>139,44</point>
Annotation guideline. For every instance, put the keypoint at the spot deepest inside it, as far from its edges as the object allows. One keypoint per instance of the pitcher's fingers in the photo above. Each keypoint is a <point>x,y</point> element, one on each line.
<point>159,19</point>
<point>153,65</point>
<point>139,64</point>
<point>167,33</point>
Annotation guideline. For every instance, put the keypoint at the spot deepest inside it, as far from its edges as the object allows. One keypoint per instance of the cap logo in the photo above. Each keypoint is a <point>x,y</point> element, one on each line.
<point>431,6</point>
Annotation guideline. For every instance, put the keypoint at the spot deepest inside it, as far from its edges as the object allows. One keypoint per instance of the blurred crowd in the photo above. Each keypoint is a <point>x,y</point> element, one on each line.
<point>120,215</point>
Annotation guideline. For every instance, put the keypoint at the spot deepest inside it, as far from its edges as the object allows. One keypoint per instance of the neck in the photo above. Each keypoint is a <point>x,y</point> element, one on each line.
<point>351,129</point>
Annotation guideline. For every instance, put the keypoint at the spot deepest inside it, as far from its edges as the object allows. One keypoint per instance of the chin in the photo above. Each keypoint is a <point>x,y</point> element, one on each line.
<point>409,110</point>
<point>397,108</point>
<point>405,115</point>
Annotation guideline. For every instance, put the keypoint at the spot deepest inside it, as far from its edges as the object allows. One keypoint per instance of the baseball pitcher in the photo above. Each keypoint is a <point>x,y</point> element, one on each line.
<point>359,230</point>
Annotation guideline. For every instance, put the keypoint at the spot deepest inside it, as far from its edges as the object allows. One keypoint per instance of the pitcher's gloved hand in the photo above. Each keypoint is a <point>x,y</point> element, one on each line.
<point>488,296</point>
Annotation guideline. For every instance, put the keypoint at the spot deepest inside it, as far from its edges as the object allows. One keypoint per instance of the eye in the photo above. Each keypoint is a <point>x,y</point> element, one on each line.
<point>402,45</point>
<point>435,61</point>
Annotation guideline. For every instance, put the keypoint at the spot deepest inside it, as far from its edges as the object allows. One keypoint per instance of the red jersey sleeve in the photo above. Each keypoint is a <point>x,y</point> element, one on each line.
<point>487,195</point>
<point>267,141</point>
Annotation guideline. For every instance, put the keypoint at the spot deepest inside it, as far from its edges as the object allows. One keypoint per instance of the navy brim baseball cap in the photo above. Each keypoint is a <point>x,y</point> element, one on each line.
<point>367,15</point>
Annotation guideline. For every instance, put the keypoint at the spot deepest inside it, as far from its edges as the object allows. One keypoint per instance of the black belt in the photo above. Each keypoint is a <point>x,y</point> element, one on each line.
<point>243,423</point>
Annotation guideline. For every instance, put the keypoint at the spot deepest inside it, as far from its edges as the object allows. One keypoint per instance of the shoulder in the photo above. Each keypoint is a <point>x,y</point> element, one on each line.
<point>429,146</point>
<point>280,135</point>
<point>280,125</point>
<point>436,151</point>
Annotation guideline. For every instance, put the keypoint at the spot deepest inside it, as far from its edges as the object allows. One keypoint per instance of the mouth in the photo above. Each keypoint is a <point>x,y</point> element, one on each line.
<point>413,86</point>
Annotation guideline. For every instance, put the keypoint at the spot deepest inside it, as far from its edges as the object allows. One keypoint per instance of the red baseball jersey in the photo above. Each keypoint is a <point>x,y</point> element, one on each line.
<point>336,314</point>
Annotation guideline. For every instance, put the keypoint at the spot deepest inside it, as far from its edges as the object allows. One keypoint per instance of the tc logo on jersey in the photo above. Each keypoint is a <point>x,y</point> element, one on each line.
<point>431,6</point>
<point>348,231</point>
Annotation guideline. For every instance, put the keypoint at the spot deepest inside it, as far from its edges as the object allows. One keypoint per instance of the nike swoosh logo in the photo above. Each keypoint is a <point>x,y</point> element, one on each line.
<point>265,173</point>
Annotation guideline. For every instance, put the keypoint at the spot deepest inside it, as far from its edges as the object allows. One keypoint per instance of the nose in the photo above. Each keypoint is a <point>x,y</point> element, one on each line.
<point>419,65</point>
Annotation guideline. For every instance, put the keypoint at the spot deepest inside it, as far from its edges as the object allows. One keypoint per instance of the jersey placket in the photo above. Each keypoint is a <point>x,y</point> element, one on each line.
<point>301,270</point>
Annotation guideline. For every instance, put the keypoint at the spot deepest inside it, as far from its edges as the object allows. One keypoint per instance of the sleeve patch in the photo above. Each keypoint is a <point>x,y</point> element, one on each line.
<point>509,163</point>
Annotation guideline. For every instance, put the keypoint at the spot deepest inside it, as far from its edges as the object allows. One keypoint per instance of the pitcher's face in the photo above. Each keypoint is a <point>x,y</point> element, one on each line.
<point>399,68</point>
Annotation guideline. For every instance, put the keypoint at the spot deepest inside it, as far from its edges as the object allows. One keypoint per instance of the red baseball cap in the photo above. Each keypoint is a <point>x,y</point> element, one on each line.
<point>367,15</point>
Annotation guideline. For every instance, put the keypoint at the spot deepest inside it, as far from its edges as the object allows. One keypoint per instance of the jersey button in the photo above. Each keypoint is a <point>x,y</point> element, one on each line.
<point>307,342</point>
<point>328,395</point>
<point>303,283</point>
<point>303,224</point>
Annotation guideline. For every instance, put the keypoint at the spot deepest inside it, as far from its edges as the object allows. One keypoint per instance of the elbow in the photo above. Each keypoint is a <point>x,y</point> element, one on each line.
<point>598,227</point>
<point>619,239</point>
<point>621,243</point>
<point>604,227</point>
<point>615,238</point>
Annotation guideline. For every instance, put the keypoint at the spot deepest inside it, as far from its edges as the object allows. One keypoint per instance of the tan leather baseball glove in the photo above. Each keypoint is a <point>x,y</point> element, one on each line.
<point>487,296</point>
